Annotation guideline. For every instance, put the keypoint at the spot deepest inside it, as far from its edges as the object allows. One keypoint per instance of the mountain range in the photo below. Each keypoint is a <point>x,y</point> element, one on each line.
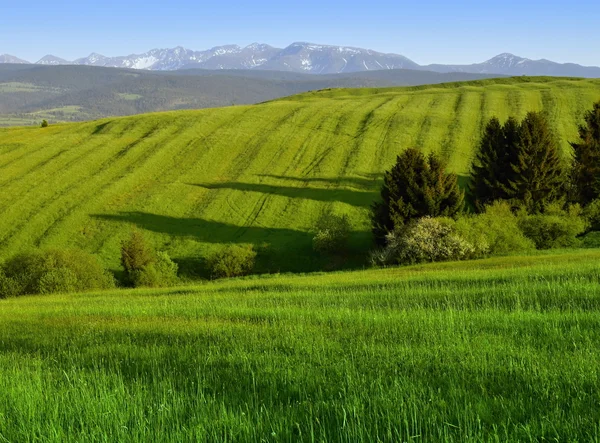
<point>310,58</point>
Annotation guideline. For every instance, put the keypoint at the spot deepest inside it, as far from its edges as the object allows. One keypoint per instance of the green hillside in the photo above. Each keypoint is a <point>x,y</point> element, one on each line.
<point>496,350</point>
<point>249,174</point>
<point>30,93</point>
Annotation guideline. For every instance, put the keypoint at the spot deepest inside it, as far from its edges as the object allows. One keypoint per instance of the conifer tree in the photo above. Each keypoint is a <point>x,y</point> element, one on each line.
<point>539,171</point>
<point>415,187</point>
<point>492,171</point>
<point>488,166</point>
<point>585,174</point>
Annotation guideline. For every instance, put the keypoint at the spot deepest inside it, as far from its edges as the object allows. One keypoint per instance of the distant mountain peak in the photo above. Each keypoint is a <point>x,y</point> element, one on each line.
<point>313,58</point>
<point>7,58</point>
<point>258,46</point>
<point>506,56</point>
<point>52,60</point>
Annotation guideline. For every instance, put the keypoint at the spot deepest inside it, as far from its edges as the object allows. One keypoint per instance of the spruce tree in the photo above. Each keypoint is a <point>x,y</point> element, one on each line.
<point>539,171</point>
<point>585,174</point>
<point>415,187</point>
<point>488,166</point>
<point>492,171</point>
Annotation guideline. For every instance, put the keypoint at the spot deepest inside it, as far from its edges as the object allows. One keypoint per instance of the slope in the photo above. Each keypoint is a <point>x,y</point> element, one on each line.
<point>30,93</point>
<point>480,351</point>
<point>195,180</point>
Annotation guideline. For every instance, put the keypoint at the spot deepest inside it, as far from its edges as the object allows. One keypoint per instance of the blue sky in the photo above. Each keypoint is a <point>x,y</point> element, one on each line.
<point>425,31</point>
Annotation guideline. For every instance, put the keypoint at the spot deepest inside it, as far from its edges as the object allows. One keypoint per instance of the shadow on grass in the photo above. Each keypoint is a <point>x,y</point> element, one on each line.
<point>369,182</point>
<point>279,249</point>
<point>350,197</point>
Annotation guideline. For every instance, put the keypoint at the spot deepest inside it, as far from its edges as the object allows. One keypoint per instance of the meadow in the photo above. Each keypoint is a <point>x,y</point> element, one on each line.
<point>262,174</point>
<point>501,349</point>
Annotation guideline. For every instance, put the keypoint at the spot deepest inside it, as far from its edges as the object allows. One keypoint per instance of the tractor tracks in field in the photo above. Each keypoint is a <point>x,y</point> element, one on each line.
<point>119,166</point>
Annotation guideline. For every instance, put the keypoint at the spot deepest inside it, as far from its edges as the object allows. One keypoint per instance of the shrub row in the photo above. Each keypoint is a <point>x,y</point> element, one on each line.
<point>496,231</point>
<point>73,270</point>
<point>53,271</point>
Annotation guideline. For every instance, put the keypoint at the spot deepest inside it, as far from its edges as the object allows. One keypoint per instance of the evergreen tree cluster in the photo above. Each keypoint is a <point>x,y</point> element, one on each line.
<point>415,187</point>
<point>585,174</point>
<point>519,162</point>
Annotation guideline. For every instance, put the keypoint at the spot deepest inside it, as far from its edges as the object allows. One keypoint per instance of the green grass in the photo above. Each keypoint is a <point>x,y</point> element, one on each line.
<point>67,110</point>
<point>9,120</point>
<point>503,349</point>
<point>129,96</point>
<point>25,87</point>
<point>195,180</point>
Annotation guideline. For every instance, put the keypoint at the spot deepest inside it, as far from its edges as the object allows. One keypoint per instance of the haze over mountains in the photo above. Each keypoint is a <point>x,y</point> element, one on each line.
<point>310,58</point>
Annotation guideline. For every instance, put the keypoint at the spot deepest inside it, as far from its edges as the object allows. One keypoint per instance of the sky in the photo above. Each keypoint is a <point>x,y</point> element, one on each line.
<point>459,32</point>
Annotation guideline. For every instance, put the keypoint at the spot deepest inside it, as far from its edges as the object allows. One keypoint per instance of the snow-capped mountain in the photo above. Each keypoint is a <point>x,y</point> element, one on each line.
<point>51,60</point>
<point>509,64</point>
<point>324,59</point>
<point>312,59</point>
<point>6,58</point>
<point>298,57</point>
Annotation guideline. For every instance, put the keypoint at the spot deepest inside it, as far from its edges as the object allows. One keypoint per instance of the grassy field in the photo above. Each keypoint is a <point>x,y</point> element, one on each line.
<point>195,180</point>
<point>503,349</point>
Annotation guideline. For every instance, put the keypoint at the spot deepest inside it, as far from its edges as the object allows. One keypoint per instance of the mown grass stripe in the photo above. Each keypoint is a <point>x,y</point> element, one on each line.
<point>272,167</point>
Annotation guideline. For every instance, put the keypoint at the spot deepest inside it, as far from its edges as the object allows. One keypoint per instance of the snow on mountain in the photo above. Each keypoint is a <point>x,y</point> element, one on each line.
<point>52,60</point>
<point>310,58</point>
<point>509,64</point>
<point>92,60</point>
<point>326,59</point>
<point>6,58</point>
<point>504,62</point>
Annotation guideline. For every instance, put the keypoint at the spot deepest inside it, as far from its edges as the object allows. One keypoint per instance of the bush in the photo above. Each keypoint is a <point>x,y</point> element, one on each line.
<point>331,233</point>
<point>233,261</point>
<point>158,274</point>
<point>424,240</point>
<point>86,268</point>
<point>556,228</point>
<point>136,253</point>
<point>25,270</point>
<point>144,266</point>
<point>592,215</point>
<point>8,286</point>
<point>53,271</point>
<point>44,123</point>
<point>61,280</point>
<point>496,231</point>
<point>591,240</point>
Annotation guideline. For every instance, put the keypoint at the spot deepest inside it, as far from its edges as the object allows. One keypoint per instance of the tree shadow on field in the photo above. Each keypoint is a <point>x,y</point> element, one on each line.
<point>368,182</point>
<point>279,249</point>
<point>100,128</point>
<point>351,197</point>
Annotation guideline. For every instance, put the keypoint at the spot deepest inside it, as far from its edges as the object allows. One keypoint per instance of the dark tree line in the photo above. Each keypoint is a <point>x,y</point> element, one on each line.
<point>518,162</point>
<point>585,175</point>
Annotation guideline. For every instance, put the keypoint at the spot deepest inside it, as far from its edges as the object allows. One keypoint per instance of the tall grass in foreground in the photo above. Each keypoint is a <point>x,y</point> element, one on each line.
<point>505,349</point>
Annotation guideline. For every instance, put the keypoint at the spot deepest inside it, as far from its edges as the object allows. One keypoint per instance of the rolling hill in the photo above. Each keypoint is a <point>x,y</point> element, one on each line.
<point>363,356</point>
<point>261,174</point>
<point>30,93</point>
